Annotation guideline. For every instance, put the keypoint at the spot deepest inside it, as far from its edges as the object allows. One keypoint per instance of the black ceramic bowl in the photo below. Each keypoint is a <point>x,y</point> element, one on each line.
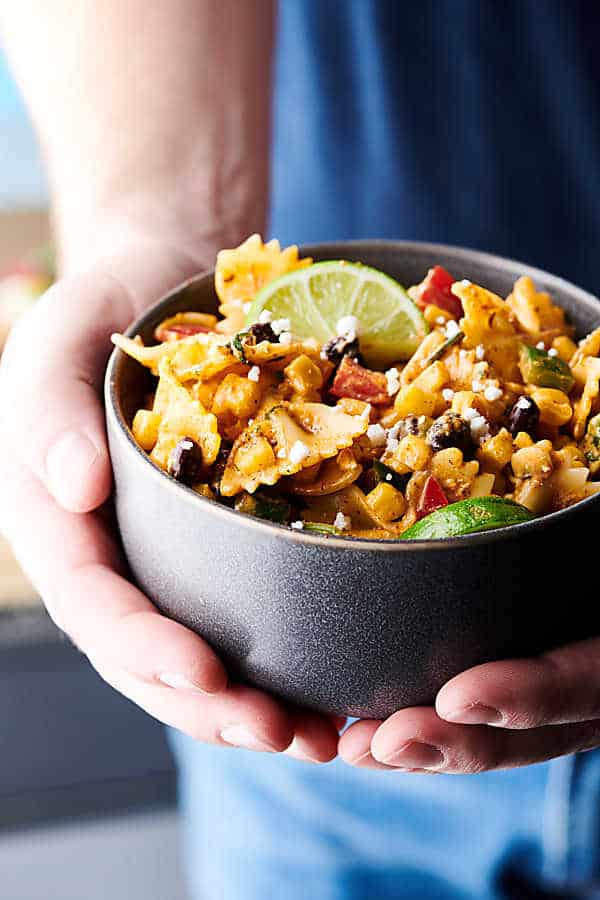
<point>340,624</point>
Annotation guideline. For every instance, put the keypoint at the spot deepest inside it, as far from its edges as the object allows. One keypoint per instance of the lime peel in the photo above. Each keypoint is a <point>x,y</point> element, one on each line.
<point>467,517</point>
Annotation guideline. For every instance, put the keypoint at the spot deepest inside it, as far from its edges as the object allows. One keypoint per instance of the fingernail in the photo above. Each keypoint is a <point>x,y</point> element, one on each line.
<point>241,736</point>
<point>415,755</point>
<point>474,714</point>
<point>68,462</point>
<point>180,683</point>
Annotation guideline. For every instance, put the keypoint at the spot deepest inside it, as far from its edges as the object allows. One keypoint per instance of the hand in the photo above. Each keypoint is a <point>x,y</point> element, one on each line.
<point>57,475</point>
<point>495,716</point>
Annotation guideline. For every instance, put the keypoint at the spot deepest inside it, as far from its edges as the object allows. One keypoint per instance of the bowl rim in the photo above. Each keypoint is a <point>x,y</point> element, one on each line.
<point>121,430</point>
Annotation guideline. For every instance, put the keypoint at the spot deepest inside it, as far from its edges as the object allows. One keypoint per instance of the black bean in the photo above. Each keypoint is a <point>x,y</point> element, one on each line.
<point>338,347</point>
<point>450,431</point>
<point>524,416</point>
<point>185,461</point>
<point>263,331</point>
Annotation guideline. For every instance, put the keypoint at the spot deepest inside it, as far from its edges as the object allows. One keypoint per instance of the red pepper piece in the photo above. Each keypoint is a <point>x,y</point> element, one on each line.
<point>432,498</point>
<point>353,380</point>
<point>177,332</point>
<point>436,289</point>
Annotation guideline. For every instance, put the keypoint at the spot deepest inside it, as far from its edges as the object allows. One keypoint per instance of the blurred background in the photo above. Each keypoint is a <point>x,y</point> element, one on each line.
<point>87,787</point>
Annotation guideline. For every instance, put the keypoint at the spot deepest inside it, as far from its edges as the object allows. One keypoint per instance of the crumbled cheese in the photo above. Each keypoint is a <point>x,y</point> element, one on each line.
<point>552,351</point>
<point>253,374</point>
<point>479,428</point>
<point>280,325</point>
<point>246,306</point>
<point>376,435</point>
<point>265,316</point>
<point>421,420</point>
<point>393,381</point>
<point>281,454</point>
<point>394,431</point>
<point>492,393</point>
<point>285,338</point>
<point>392,445</point>
<point>448,395</point>
<point>522,403</point>
<point>298,452</point>
<point>342,522</point>
<point>540,345</point>
<point>441,320</point>
<point>365,414</point>
<point>452,329</point>
<point>480,351</point>
<point>462,353</point>
<point>348,327</point>
<point>298,525</point>
<point>476,386</point>
<point>469,414</point>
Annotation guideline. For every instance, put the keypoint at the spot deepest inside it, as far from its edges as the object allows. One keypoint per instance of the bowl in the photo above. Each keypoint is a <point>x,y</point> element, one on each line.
<point>346,625</point>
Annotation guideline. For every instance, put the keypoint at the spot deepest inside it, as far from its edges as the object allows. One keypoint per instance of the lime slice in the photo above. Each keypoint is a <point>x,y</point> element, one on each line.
<point>315,298</point>
<point>467,516</point>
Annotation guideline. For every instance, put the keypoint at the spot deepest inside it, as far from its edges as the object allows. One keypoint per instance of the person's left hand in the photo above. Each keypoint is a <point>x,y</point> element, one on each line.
<point>494,716</point>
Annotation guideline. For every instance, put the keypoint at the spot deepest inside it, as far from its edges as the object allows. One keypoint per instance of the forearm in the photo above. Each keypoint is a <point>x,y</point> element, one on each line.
<point>151,115</point>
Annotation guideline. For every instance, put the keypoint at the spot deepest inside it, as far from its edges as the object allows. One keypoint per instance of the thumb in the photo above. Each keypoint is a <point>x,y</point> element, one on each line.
<point>50,388</point>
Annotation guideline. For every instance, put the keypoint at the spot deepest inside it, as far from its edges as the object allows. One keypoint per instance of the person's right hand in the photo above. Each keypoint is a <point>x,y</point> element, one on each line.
<point>56,476</point>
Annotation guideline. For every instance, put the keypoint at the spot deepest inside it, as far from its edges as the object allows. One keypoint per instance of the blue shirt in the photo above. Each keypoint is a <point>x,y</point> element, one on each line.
<point>469,122</point>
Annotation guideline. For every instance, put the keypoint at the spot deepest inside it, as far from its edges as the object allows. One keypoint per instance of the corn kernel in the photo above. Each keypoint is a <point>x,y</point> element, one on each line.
<point>413,452</point>
<point>555,407</point>
<point>521,440</point>
<point>236,395</point>
<point>205,490</point>
<point>387,502</point>
<point>466,400</point>
<point>532,462</point>
<point>252,457</point>
<point>413,401</point>
<point>432,313</point>
<point>145,427</point>
<point>303,375</point>
<point>565,346</point>
<point>433,378</point>
<point>352,407</point>
<point>496,453</point>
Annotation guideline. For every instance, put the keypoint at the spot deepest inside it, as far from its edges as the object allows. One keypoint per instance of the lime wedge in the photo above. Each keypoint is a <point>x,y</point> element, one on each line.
<point>315,298</point>
<point>466,517</point>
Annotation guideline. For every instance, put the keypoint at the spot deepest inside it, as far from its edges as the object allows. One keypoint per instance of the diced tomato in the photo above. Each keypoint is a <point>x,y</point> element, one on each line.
<point>177,332</point>
<point>353,380</point>
<point>432,498</point>
<point>436,289</point>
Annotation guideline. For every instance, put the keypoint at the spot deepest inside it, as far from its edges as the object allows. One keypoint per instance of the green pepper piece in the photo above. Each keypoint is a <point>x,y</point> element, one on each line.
<point>437,354</point>
<point>389,476</point>
<point>321,528</point>
<point>538,368</point>
<point>237,346</point>
<point>591,445</point>
<point>466,517</point>
<point>261,505</point>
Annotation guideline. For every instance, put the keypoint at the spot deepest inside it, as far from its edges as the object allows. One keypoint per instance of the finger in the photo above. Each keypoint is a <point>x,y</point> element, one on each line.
<point>557,688</point>
<point>50,385</point>
<point>418,739</point>
<point>355,745</point>
<point>239,716</point>
<point>74,563</point>
<point>155,662</point>
<point>315,738</point>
